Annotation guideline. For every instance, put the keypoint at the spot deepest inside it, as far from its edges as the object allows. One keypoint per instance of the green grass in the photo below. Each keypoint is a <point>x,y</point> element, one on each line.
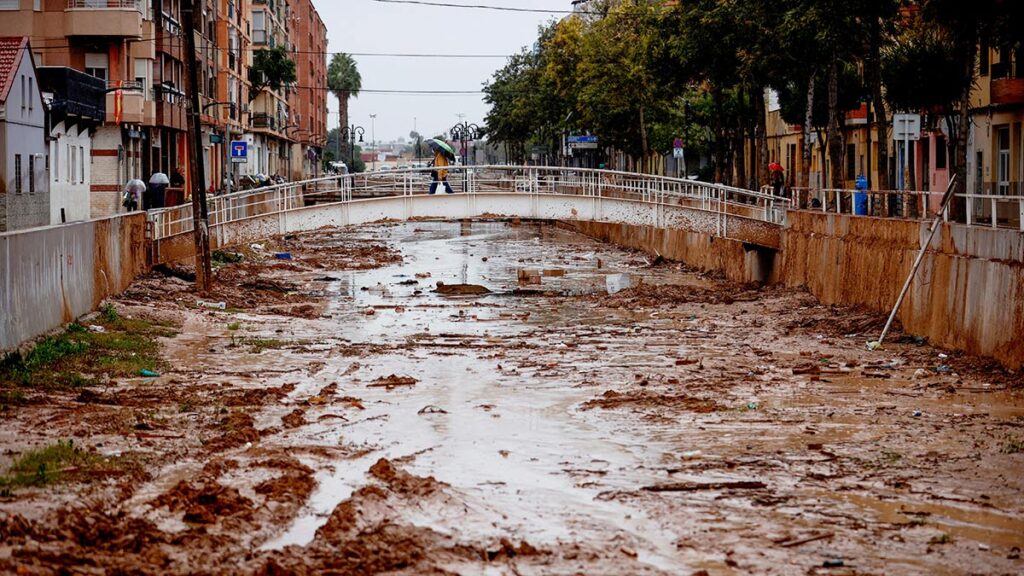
<point>1012,446</point>
<point>48,465</point>
<point>258,345</point>
<point>64,361</point>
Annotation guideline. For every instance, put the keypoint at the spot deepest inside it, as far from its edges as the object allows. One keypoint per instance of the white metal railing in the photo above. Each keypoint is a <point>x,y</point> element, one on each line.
<point>716,198</point>
<point>106,4</point>
<point>989,210</point>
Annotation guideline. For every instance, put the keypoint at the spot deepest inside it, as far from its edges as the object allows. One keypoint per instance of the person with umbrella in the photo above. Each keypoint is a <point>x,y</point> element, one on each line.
<point>778,177</point>
<point>134,190</point>
<point>443,155</point>
<point>154,196</point>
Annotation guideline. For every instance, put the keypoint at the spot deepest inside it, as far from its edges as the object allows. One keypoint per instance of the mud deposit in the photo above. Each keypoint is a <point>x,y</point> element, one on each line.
<point>342,415</point>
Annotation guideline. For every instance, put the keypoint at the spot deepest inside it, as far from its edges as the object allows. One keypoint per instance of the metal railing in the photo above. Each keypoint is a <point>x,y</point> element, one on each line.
<point>282,198</point>
<point>990,210</point>
<point>106,4</point>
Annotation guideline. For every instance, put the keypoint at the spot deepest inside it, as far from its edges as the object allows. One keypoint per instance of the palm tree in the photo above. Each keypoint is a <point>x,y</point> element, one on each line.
<point>344,81</point>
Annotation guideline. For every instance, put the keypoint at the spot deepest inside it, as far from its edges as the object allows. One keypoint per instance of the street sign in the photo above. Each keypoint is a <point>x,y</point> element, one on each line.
<point>239,151</point>
<point>582,142</point>
<point>906,127</point>
<point>677,143</point>
<point>216,139</point>
<point>678,152</point>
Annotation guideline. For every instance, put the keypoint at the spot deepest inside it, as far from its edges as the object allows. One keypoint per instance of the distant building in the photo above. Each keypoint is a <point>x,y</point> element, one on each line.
<point>77,107</point>
<point>24,190</point>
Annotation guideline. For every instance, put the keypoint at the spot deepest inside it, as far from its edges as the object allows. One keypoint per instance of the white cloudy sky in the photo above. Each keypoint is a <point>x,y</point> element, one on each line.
<point>370,26</point>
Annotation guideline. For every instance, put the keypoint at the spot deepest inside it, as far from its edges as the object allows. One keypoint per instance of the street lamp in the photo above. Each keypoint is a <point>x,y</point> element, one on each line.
<point>349,134</point>
<point>465,132</point>
<point>373,138</point>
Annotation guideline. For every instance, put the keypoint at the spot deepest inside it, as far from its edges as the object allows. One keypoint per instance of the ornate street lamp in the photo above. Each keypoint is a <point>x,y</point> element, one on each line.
<point>349,134</point>
<point>465,132</point>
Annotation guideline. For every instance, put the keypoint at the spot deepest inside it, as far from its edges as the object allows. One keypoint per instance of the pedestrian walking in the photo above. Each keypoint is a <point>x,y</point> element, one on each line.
<point>443,155</point>
<point>778,177</point>
<point>154,195</point>
<point>133,193</point>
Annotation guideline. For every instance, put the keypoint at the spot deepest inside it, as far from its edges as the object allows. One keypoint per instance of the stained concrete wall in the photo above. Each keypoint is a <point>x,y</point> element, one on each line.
<point>50,276</point>
<point>968,295</point>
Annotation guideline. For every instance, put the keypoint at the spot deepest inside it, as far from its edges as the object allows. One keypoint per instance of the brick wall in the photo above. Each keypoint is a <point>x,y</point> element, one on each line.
<point>105,172</point>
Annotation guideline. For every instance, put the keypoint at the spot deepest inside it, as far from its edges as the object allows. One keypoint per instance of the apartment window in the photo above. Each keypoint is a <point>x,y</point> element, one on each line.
<point>142,72</point>
<point>31,174</point>
<point>54,153</point>
<point>97,64</point>
<point>9,4</point>
<point>940,152</point>
<point>72,162</point>
<point>851,161</point>
<point>24,100</point>
<point>81,164</point>
<point>17,173</point>
<point>983,58</point>
<point>31,92</point>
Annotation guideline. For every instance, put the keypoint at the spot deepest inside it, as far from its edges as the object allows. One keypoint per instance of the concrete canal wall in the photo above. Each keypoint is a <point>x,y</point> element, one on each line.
<point>50,276</point>
<point>968,295</point>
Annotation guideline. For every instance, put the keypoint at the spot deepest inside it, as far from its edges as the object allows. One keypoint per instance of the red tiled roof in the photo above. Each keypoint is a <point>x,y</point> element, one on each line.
<point>11,49</point>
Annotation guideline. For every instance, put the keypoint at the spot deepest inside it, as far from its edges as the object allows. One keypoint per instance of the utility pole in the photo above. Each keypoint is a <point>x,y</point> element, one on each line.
<point>200,214</point>
<point>373,138</point>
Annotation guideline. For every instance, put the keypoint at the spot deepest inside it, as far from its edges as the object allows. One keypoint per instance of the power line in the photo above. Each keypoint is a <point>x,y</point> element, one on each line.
<point>477,6</point>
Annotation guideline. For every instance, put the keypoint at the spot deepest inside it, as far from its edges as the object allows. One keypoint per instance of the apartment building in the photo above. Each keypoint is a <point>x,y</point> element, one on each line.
<point>269,116</point>
<point>308,100</point>
<point>136,49</point>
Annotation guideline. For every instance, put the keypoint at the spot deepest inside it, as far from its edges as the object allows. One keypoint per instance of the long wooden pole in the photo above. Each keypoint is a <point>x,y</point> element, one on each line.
<point>200,213</point>
<point>917,263</point>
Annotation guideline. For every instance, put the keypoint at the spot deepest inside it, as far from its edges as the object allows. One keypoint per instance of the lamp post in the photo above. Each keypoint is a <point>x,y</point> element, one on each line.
<point>373,138</point>
<point>349,134</point>
<point>465,132</point>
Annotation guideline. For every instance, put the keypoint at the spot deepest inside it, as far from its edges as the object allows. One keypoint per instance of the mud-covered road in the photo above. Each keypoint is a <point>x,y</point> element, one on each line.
<point>346,414</point>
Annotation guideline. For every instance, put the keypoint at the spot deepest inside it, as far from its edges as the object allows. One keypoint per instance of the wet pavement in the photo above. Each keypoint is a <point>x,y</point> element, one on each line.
<point>344,415</point>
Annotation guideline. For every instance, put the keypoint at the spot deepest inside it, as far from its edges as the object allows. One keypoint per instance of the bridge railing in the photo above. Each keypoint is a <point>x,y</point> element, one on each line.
<point>989,210</point>
<point>282,198</point>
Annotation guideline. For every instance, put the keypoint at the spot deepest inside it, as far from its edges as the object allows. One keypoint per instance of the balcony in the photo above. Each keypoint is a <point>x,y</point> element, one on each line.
<point>133,103</point>
<point>104,18</point>
<point>77,96</point>
<point>263,121</point>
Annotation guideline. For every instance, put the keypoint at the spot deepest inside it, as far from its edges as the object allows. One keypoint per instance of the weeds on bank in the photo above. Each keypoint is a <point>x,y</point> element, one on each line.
<point>117,347</point>
<point>1012,445</point>
<point>57,462</point>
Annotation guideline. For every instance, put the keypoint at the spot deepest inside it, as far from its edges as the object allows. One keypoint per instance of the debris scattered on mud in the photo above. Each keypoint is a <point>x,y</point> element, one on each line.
<point>392,381</point>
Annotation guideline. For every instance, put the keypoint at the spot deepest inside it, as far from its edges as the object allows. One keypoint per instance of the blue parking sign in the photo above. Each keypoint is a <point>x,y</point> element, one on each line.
<point>239,151</point>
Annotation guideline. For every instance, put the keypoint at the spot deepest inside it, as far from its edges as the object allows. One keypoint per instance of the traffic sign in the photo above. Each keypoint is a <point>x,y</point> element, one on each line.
<point>216,139</point>
<point>677,143</point>
<point>239,151</point>
<point>678,152</point>
<point>906,127</point>
<point>582,142</point>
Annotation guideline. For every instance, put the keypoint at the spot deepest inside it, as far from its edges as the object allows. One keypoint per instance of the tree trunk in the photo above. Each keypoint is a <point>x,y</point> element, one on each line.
<point>644,167</point>
<point>805,177</point>
<point>881,118</point>
<point>835,136</point>
<point>761,139</point>
<point>716,98</point>
<point>958,208</point>
<point>741,141</point>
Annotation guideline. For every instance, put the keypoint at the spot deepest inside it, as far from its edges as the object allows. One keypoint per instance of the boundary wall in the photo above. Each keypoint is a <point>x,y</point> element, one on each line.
<point>51,276</point>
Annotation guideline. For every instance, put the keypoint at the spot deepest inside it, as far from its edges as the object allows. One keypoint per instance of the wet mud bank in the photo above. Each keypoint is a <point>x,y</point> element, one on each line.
<point>467,398</point>
<point>969,294</point>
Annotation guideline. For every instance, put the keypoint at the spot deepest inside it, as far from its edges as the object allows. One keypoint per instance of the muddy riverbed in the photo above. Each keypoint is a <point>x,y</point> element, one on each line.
<point>343,413</point>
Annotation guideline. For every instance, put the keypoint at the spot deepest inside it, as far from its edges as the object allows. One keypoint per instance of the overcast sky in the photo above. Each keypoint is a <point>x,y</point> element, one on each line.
<point>370,26</point>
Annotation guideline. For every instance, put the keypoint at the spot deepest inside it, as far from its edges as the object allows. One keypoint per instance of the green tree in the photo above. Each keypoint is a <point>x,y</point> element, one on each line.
<point>344,81</point>
<point>271,69</point>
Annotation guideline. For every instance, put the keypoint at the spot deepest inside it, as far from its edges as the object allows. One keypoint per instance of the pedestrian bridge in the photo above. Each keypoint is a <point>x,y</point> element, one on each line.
<point>544,193</point>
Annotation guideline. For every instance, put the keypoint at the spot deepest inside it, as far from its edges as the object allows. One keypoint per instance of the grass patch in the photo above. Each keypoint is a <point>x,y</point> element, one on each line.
<point>120,347</point>
<point>258,345</point>
<point>1012,446</point>
<point>53,463</point>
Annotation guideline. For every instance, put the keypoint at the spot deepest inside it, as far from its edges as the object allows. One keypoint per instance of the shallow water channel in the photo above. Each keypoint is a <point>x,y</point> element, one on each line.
<point>511,439</point>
